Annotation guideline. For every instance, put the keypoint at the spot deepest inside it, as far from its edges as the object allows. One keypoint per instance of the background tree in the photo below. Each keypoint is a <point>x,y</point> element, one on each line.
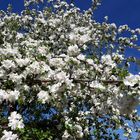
<point>64,76</point>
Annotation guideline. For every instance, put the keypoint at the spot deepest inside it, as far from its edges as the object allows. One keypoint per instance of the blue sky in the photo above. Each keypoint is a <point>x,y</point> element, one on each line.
<point>119,12</point>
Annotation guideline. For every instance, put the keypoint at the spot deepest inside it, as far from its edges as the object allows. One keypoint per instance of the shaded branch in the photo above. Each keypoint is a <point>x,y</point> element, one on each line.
<point>86,80</point>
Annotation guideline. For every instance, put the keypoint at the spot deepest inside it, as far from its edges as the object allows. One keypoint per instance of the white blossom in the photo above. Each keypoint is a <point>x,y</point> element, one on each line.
<point>7,64</point>
<point>106,59</point>
<point>73,50</point>
<point>56,88</point>
<point>79,132</point>
<point>43,96</point>
<point>61,76</point>
<point>8,135</point>
<point>3,95</point>
<point>15,121</point>
<point>13,95</point>
<point>22,62</point>
<point>131,80</point>
<point>2,73</point>
<point>9,51</point>
<point>16,78</point>
<point>81,57</point>
<point>58,62</point>
<point>35,67</point>
<point>96,84</point>
<point>65,135</point>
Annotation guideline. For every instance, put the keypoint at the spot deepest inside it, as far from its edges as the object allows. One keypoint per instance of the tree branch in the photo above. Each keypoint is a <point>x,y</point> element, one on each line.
<point>86,80</point>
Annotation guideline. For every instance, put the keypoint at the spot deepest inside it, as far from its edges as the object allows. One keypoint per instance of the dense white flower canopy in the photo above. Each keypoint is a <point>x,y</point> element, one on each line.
<point>61,59</point>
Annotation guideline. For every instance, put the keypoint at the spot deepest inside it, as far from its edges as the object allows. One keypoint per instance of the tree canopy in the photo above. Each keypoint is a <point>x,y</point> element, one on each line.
<point>63,75</point>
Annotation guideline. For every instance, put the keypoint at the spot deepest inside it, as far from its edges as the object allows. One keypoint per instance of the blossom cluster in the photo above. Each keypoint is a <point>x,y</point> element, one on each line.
<point>61,58</point>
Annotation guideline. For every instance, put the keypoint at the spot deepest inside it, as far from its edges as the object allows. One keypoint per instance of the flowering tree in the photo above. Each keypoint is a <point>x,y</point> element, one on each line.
<point>64,76</point>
